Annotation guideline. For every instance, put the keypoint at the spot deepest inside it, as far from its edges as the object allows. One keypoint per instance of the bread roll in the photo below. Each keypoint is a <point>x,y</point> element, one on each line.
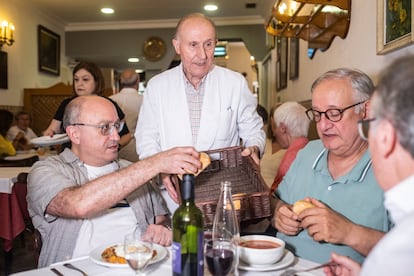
<point>301,205</point>
<point>205,162</point>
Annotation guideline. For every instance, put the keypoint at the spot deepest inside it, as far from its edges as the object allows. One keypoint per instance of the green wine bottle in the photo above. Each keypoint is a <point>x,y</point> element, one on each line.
<point>187,246</point>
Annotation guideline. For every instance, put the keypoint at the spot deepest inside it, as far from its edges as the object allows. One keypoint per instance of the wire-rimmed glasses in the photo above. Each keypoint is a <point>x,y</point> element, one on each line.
<point>332,114</point>
<point>106,129</point>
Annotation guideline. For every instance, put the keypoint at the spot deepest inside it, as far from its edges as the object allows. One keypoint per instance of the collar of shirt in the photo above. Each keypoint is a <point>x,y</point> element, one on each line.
<point>398,200</point>
<point>358,172</point>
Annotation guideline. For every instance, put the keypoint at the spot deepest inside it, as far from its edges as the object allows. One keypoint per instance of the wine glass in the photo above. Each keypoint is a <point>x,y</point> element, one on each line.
<point>138,251</point>
<point>220,256</point>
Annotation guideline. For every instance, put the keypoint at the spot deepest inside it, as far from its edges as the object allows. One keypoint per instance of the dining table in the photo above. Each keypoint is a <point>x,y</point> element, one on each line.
<point>163,267</point>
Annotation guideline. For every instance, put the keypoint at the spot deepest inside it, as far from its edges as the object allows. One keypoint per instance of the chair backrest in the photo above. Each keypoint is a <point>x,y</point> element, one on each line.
<point>37,244</point>
<point>27,162</point>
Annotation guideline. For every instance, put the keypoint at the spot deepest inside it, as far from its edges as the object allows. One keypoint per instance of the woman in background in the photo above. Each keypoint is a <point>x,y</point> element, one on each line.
<point>87,80</point>
<point>6,147</point>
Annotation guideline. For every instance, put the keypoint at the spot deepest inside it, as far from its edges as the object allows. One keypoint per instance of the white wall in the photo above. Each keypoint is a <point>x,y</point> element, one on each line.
<point>22,55</point>
<point>357,50</point>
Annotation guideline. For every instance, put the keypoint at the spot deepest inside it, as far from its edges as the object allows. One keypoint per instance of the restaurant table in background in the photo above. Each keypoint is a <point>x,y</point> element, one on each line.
<point>161,268</point>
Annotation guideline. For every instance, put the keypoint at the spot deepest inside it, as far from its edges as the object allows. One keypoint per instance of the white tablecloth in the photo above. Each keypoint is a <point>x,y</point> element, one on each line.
<point>161,268</point>
<point>8,175</point>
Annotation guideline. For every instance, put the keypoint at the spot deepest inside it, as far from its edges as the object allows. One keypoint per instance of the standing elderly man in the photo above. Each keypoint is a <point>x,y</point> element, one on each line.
<point>335,175</point>
<point>391,137</point>
<point>198,103</point>
<point>85,197</point>
<point>129,100</point>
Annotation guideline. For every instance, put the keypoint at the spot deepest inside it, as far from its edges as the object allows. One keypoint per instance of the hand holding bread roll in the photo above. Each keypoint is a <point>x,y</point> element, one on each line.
<point>301,205</point>
<point>205,162</point>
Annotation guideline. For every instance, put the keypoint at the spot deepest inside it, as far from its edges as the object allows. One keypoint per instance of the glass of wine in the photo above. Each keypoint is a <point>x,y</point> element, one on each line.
<point>138,251</point>
<point>220,257</point>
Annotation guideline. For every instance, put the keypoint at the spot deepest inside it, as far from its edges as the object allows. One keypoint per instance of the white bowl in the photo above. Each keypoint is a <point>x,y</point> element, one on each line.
<point>268,249</point>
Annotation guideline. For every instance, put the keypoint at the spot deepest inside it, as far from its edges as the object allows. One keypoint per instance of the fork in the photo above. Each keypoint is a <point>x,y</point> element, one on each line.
<point>71,266</point>
<point>292,272</point>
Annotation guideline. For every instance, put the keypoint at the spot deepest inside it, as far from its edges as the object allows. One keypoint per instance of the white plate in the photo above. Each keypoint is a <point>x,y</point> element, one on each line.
<point>50,141</point>
<point>286,260</point>
<point>95,256</point>
<point>19,156</point>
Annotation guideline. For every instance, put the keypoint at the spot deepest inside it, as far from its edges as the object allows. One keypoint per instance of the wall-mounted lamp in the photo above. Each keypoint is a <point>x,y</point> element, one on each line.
<point>6,33</point>
<point>316,21</point>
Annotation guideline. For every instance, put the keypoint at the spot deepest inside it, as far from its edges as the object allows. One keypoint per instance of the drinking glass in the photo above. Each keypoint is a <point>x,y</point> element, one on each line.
<point>138,251</point>
<point>220,257</point>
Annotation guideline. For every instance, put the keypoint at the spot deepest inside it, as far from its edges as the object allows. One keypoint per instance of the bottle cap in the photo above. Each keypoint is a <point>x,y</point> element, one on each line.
<point>187,187</point>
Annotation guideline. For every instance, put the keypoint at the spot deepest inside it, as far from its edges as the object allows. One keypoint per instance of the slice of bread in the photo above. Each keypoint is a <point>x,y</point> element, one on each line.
<point>301,205</point>
<point>205,162</point>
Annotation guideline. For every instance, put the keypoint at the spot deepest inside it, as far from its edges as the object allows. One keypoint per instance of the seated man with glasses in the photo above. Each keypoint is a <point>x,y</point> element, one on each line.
<point>335,175</point>
<point>85,197</point>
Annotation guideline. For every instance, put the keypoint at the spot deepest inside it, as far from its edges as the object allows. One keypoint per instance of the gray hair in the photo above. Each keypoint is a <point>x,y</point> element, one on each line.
<point>129,78</point>
<point>360,82</point>
<point>72,112</point>
<point>394,100</point>
<point>293,115</point>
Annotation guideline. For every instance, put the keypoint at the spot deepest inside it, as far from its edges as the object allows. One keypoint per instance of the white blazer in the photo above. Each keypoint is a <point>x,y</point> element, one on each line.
<point>228,114</point>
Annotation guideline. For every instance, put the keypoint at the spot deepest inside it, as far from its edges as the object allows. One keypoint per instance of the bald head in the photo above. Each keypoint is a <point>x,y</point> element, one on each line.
<point>129,78</point>
<point>191,18</point>
<point>84,105</point>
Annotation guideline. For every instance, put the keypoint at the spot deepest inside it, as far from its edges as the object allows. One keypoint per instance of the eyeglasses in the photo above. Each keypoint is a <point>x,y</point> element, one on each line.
<point>363,128</point>
<point>332,114</point>
<point>106,129</point>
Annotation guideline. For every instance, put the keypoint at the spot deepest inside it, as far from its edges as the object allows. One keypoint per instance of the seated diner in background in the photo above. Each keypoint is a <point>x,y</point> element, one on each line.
<point>273,153</point>
<point>85,197</point>
<point>335,175</point>
<point>23,121</point>
<point>87,80</point>
<point>390,141</point>
<point>291,128</point>
<point>7,148</point>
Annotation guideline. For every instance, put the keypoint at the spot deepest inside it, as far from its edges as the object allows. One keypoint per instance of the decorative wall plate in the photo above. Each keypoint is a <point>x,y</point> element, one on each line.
<point>154,48</point>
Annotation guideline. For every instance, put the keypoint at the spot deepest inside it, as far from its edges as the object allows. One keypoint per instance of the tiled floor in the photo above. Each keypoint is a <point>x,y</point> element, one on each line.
<point>23,256</point>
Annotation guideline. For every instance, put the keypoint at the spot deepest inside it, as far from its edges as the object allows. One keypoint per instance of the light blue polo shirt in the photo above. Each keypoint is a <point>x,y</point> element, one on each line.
<point>355,195</point>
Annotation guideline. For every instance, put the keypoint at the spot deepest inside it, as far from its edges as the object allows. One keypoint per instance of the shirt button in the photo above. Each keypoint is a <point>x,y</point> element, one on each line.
<point>329,188</point>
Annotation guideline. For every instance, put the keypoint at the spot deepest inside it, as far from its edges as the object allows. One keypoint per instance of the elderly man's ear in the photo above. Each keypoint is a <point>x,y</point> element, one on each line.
<point>72,132</point>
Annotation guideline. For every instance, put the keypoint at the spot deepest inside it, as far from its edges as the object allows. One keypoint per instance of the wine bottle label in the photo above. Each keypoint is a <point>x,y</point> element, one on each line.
<point>200,253</point>
<point>181,256</point>
<point>176,257</point>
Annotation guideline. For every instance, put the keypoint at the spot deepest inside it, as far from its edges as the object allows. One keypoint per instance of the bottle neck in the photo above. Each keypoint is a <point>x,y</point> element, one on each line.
<point>187,188</point>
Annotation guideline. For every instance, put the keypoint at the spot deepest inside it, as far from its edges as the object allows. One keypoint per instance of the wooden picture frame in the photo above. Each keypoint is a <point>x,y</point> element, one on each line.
<point>48,51</point>
<point>281,63</point>
<point>294,58</point>
<point>394,25</point>
<point>3,71</point>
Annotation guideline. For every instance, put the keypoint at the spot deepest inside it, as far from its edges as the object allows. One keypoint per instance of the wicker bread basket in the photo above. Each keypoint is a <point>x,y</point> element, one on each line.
<point>249,191</point>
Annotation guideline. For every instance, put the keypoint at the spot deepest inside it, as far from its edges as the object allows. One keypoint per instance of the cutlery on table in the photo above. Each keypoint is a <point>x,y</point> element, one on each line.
<point>71,266</point>
<point>292,272</point>
<point>57,272</point>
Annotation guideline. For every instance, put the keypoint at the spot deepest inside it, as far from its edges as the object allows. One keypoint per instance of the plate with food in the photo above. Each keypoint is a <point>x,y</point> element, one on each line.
<point>56,139</point>
<point>113,255</point>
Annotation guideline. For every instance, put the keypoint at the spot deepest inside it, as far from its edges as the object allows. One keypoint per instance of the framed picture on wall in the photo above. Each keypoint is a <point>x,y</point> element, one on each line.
<point>394,25</point>
<point>3,71</point>
<point>49,51</point>
<point>294,58</point>
<point>281,63</point>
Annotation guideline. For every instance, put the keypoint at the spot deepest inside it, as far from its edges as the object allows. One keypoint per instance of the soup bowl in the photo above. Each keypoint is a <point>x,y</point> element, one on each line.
<point>260,250</point>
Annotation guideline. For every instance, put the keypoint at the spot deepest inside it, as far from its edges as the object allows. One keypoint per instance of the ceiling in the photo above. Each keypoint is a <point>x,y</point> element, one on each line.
<point>84,11</point>
<point>85,15</point>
